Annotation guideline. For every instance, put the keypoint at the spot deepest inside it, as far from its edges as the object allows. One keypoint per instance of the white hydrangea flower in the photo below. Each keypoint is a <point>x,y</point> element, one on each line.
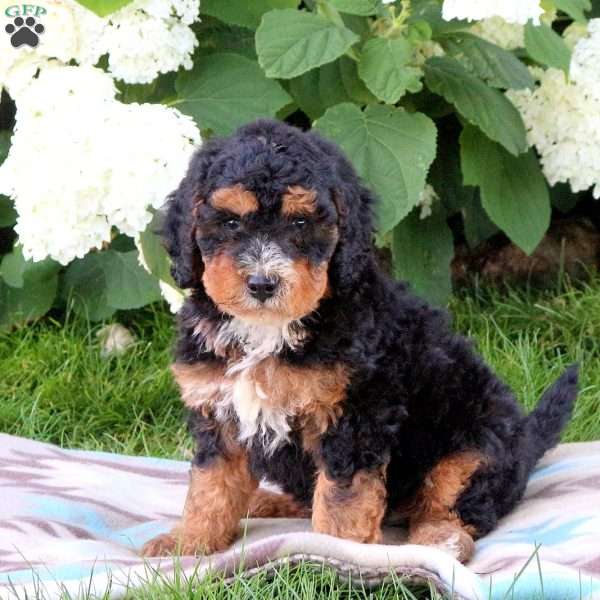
<point>141,46</point>
<point>174,296</point>
<point>142,40</point>
<point>89,32</point>
<point>498,31</point>
<point>504,34</point>
<point>185,10</point>
<point>585,61</point>
<point>563,123</point>
<point>16,72</point>
<point>426,199</point>
<point>59,41</point>
<point>512,11</point>
<point>99,163</point>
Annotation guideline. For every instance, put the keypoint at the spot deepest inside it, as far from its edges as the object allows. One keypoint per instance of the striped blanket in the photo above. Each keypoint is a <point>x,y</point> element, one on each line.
<point>72,520</point>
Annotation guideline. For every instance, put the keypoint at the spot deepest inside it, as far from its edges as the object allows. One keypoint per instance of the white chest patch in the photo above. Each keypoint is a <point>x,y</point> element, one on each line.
<point>243,395</point>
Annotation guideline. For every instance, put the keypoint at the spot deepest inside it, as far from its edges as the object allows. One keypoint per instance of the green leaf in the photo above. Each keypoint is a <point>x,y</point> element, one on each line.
<point>8,215</point>
<point>445,174</point>
<point>546,47</point>
<point>85,284</point>
<point>224,91</point>
<point>286,111</point>
<point>574,8</point>
<point>422,250</point>
<point>136,92</point>
<point>291,42</point>
<point>34,298</point>
<point>362,8</point>
<point>154,252</point>
<point>319,89</point>
<point>563,198</point>
<point>390,148</point>
<point>128,284</point>
<point>479,104</point>
<point>104,7</point>
<point>4,144</point>
<point>500,68</point>
<point>14,268</point>
<point>478,226</point>
<point>241,12</point>
<point>329,85</point>
<point>215,37</point>
<point>354,86</point>
<point>418,32</point>
<point>385,68</point>
<point>122,243</point>
<point>102,282</point>
<point>361,27</point>
<point>513,189</point>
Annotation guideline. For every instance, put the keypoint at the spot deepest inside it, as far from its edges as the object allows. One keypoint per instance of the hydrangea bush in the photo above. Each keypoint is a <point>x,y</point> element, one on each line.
<point>481,112</point>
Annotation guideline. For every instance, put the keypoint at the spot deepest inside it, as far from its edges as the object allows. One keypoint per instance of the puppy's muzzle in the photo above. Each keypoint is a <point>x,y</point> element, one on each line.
<point>262,287</point>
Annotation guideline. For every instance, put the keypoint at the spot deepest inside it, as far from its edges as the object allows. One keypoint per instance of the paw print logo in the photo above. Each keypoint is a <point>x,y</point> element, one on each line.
<point>24,32</point>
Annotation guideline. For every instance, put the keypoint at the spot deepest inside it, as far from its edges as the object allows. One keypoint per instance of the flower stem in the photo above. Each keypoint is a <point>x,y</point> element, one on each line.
<point>399,22</point>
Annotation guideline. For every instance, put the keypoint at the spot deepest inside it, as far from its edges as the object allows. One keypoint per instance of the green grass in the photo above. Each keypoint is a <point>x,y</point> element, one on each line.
<point>56,387</point>
<point>530,338</point>
<point>302,582</point>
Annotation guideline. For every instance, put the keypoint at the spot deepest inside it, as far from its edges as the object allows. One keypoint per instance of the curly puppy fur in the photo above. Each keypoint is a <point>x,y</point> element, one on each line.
<point>341,386</point>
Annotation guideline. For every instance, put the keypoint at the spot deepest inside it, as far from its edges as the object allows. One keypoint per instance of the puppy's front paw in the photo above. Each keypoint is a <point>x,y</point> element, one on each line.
<point>349,529</point>
<point>351,511</point>
<point>186,544</point>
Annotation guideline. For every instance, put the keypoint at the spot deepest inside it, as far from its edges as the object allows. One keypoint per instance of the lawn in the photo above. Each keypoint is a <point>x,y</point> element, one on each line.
<point>56,387</point>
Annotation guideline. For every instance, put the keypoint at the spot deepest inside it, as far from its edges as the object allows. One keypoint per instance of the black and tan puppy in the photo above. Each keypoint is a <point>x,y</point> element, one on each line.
<point>302,362</point>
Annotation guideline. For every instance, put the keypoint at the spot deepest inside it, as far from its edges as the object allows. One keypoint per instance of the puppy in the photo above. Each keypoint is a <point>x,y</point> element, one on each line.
<point>303,363</point>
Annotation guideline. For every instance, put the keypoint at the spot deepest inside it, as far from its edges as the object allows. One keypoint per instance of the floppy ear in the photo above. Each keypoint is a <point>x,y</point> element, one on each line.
<point>354,203</point>
<point>179,224</point>
<point>354,250</point>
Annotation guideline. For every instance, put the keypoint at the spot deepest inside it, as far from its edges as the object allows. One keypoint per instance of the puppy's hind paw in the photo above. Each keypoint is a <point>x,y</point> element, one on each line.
<point>162,545</point>
<point>447,537</point>
<point>169,544</point>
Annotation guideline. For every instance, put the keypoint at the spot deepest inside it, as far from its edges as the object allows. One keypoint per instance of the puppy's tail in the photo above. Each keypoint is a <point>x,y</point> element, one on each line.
<point>554,409</point>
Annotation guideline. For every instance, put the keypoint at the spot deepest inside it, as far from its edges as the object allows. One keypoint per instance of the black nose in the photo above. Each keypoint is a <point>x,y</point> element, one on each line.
<point>261,287</point>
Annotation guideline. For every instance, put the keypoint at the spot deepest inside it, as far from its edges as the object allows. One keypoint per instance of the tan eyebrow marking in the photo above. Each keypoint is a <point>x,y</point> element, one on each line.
<point>298,201</point>
<point>234,199</point>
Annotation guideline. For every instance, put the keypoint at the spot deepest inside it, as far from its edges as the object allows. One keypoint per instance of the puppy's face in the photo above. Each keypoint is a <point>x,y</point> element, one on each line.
<point>266,253</point>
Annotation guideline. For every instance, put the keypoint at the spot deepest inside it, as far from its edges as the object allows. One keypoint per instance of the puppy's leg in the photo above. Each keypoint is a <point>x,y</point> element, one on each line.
<point>435,521</point>
<point>218,497</point>
<point>352,510</point>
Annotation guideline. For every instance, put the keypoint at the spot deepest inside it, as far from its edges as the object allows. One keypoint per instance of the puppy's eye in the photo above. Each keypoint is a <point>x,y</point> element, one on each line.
<point>232,224</point>
<point>299,222</point>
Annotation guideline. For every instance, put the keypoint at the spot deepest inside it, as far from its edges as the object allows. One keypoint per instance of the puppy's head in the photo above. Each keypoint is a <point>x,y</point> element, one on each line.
<point>268,222</point>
